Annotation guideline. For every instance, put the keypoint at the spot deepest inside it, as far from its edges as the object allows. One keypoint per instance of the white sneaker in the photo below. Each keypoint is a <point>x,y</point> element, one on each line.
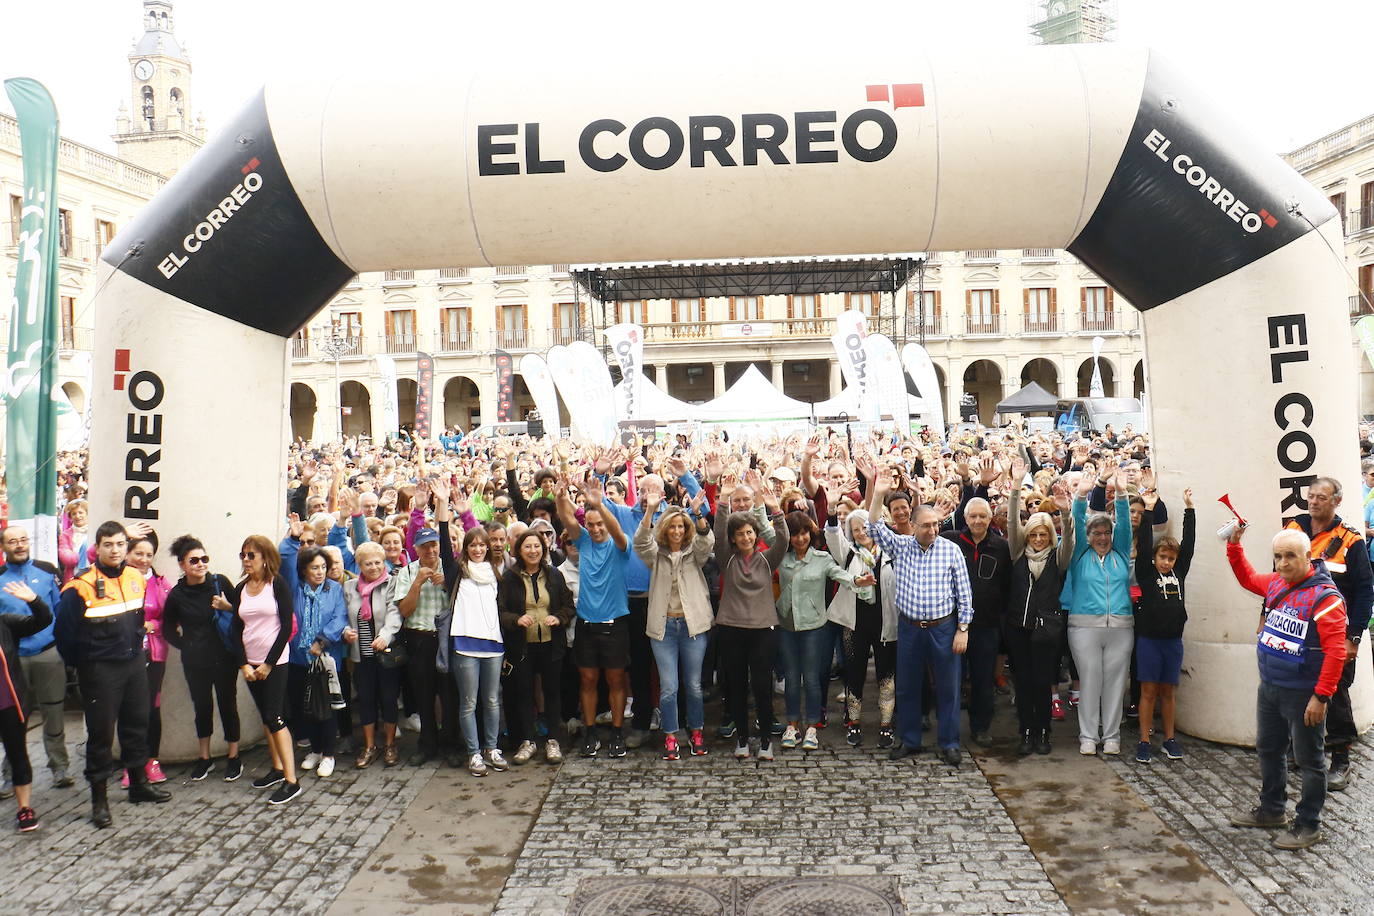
<point>326,768</point>
<point>812,741</point>
<point>311,761</point>
<point>1112,747</point>
<point>603,718</point>
<point>523,753</point>
<point>789,737</point>
<point>656,721</point>
<point>475,765</point>
<point>411,723</point>
<point>1087,747</point>
<point>496,761</point>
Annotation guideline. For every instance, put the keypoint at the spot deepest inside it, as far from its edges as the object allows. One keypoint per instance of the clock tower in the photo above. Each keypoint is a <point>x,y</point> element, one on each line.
<point>155,128</point>
<point>1068,22</point>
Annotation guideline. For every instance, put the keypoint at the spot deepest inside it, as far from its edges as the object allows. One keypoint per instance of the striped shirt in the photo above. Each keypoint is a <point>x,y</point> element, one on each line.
<point>932,582</point>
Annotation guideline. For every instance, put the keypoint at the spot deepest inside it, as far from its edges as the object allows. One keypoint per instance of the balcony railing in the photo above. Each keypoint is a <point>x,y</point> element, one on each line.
<point>933,326</point>
<point>980,254</point>
<point>453,273</point>
<point>75,250</point>
<point>735,330</point>
<point>510,272</point>
<point>563,336</point>
<point>1097,322</point>
<point>1039,254</point>
<point>1044,323</point>
<point>399,343</point>
<point>457,341</point>
<point>983,324</point>
<point>1359,305</point>
<point>508,338</point>
<point>558,269</point>
<point>300,349</point>
<point>398,276</point>
<point>808,327</point>
<point>1361,219</point>
<point>76,338</point>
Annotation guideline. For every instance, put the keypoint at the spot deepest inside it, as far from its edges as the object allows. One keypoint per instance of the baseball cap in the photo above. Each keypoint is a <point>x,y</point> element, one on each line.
<point>426,536</point>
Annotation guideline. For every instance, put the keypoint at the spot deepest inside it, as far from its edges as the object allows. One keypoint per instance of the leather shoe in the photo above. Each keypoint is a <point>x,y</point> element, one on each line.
<point>950,755</point>
<point>141,790</point>
<point>1027,745</point>
<point>100,805</point>
<point>1338,777</point>
<point>900,751</point>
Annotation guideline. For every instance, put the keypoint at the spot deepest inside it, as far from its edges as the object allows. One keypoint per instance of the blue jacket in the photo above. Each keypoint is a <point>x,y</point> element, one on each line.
<point>325,620</point>
<point>43,579</point>
<point>1096,586</point>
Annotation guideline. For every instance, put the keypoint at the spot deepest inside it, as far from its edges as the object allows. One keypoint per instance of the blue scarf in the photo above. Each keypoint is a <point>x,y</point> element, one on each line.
<point>311,619</point>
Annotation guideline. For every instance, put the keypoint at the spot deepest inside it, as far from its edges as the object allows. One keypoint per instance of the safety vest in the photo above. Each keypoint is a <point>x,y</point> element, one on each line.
<point>123,594</point>
<point>1330,546</point>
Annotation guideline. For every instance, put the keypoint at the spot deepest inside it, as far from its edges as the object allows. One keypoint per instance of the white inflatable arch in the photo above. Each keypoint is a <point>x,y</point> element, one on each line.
<point>1102,150</point>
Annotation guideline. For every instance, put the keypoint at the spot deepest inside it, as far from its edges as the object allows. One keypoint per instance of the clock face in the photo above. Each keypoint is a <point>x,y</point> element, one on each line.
<point>1056,9</point>
<point>143,69</point>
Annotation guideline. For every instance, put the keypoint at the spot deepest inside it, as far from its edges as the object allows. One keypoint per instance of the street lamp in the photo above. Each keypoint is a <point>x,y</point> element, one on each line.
<point>335,345</point>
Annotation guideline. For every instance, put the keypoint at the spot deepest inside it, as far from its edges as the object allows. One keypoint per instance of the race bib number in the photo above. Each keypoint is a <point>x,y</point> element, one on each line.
<point>1284,632</point>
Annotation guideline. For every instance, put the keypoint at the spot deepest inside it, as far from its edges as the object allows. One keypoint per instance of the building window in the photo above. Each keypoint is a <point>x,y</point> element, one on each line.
<point>928,323</point>
<point>300,344</point>
<point>1041,317</point>
<point>689,318</point>
<point>67,314</point>
<point>16,217</point>
<point>1338,201</point>
<point>64,232</point>
<point>512,330</point>
<point>1364,302</point>
<point>863,302</point>
<point>983,311</point>
<point>456,329</point>
<point>104,234</point>
<point>1097,305</point>
<point>746,308</point>
<point>1366,220</point>
<point>802,307</point>
<point>400,331</point>
<point>565,323</point>
<point>349,326</point>
<point>634,311</point>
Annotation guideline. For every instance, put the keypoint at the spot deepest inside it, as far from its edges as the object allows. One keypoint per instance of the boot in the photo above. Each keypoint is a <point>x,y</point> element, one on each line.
<point>1338,776</point>
<point>100,805</point>
<point>141,790</point>
<point>1027,744</point>
<point>1042,743</point>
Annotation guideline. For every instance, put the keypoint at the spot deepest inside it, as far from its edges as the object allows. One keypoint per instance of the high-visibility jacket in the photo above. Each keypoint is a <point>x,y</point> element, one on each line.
<point>100,617</point>
<point>1346,556</point>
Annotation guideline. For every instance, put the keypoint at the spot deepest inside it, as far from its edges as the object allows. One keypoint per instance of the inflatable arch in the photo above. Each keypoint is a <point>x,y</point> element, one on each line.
<point>1102,150</point>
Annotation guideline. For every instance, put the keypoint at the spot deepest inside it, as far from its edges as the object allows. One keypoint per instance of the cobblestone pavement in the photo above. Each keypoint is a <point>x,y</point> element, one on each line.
<point>216,848</point>
<point>1197,795</point>
<point>838,810</point>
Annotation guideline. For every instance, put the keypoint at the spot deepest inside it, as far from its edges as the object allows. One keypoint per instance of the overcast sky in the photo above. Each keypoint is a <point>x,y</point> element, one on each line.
<point>1291,71</point>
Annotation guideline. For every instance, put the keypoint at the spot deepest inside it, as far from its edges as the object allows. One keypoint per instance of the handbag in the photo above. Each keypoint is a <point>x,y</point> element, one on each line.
<point>316,706</point>
<point>394,655</point>
<point>1049,630</point>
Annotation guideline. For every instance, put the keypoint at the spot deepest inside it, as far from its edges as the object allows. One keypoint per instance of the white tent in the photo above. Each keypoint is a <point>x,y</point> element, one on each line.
<point>752,397</point>
<point>847,402</point>
<point>659,405</point>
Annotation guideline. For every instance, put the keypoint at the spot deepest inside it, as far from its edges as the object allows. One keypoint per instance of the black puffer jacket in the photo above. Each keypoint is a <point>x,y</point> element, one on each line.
<point>14,627</point>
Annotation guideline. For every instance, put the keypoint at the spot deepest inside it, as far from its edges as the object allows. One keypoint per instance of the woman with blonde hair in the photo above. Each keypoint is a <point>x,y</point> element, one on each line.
<point>370,635</point>
<point>679,615</point>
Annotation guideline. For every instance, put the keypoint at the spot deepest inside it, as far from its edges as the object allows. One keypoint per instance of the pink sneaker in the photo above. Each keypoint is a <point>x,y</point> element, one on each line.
<point>124,779</point>
<point>1057,710</point>
<point>154,771</point>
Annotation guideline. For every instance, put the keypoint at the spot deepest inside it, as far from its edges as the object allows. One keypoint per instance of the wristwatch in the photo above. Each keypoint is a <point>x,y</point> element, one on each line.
<point>1321,699</point>
<point>1355,638</point>
<point>963,628</point>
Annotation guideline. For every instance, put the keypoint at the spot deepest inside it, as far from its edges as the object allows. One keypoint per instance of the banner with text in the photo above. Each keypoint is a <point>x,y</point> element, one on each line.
<point>424,396</point>
<point>627,348</point>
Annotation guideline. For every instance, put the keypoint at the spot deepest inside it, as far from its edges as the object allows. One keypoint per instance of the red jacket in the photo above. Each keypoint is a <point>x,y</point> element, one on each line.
<point>1328,614</point>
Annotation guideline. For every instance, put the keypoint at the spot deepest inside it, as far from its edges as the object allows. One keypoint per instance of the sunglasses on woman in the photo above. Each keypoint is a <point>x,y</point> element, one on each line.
<point>198,561</point>
<point>249,555</point>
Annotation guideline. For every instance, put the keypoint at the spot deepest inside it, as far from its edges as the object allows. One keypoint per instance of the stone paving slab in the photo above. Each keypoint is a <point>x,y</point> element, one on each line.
<point>217,847</point>
<point>1196,796</point>
<point>855,895</point>
<point>940,832</point>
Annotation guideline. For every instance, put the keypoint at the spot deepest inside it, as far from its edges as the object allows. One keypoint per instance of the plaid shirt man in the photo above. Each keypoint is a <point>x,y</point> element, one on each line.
<point>932,582</point>
<point>429,603</point>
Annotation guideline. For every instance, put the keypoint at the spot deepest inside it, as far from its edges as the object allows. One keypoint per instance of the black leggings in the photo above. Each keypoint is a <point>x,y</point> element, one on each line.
<point>544,659</point>
<point>207,681</point>
<point>746,662</point>
<point>156,671</point>
<point>866,638</point>
<point>1035,671</point>
<point>12,733</point>
<point>270,695</point>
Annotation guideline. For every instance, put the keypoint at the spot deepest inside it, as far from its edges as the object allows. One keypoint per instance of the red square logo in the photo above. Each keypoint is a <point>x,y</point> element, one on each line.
<point>877,93</point>
<point>908,95</point>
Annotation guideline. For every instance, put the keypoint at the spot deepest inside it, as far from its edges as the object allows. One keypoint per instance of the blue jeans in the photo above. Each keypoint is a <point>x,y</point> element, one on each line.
<point>679,657</point>
<point>1279,712</point>
<point>478,679</point>
<point>917,648</point>
<point>805,659</point>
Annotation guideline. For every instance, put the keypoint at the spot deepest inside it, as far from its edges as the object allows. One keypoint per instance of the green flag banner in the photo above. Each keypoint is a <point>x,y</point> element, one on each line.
<point>31,376</point>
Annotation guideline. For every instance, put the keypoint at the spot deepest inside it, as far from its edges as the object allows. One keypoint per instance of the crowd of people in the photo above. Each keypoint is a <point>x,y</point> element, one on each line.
<point>511,599</point>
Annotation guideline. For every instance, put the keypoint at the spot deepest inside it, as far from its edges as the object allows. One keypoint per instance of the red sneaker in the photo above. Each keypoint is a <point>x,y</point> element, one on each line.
<point>154,771</point>
<point>124,780</point>
<point>670,751</point>
<point>1057,710</point>
<point>27,820</point>
<point>698,743</point>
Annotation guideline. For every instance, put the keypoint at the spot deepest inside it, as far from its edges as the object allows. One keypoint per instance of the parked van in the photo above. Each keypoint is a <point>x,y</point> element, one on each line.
<point>1082,414</point>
